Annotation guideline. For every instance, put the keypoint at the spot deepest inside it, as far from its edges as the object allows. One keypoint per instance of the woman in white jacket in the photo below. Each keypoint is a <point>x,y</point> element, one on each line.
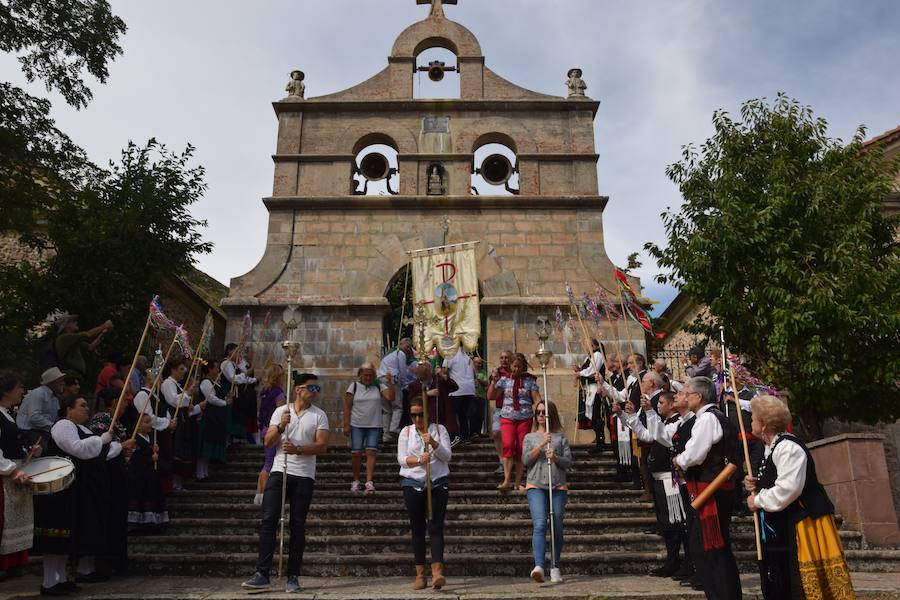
<point>419,445</point>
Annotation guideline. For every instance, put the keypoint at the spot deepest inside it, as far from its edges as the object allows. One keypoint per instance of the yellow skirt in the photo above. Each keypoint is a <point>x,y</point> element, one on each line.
<point>823,570</point>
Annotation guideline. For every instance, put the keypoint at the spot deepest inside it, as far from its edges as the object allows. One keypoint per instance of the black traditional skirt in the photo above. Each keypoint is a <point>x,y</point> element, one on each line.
<point>214,432</point>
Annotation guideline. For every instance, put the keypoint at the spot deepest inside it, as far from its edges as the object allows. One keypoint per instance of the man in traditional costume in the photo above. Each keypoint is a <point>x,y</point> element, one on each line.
<point>591,408</point>
<point>712,445</point>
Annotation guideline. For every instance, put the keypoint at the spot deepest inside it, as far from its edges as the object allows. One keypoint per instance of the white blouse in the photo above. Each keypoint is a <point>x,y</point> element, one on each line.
<point>142,405</point>
<point>410,444</point>
<point>208,389</point>
<point>174,396</point>
<point>65,434</point>
<point>790,461</point>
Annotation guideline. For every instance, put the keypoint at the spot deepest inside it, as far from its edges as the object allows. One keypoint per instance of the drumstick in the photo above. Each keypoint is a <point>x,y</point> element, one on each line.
<point>28,458</point>
<point>49,470</point>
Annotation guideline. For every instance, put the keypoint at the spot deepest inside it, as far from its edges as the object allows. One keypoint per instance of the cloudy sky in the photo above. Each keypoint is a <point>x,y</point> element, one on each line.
<point>206,71</point>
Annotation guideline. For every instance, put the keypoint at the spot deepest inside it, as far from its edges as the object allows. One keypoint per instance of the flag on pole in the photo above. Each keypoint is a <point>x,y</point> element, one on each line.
<point>445,284</point>
<point>631,306</point>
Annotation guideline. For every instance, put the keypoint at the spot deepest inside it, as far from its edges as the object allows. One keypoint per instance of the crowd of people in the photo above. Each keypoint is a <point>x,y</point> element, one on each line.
<point>670,439</point>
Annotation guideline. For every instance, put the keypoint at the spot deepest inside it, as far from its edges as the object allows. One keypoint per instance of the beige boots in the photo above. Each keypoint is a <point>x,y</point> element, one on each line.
<point>421,579</point>
<point>437,575</point>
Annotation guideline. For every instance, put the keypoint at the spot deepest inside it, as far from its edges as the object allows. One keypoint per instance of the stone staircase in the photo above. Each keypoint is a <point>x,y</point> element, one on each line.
<point>213,530</point>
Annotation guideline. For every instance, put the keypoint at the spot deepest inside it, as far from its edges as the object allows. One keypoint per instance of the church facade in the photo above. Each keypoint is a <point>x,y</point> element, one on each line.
<point>332,251</point>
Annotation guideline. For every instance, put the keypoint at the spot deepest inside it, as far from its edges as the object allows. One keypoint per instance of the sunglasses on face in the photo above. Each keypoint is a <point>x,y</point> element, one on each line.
<point>312,388</point>
<point>541,413</point>
<point>416,415</point>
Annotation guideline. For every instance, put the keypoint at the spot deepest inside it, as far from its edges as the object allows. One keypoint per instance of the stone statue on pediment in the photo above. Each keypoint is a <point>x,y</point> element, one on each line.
<point>295,87</point>
<point>576,84</point>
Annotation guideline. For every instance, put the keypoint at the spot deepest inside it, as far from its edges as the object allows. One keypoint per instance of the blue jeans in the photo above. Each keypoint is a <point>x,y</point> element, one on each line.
<point>539,504</point>
<point>366,438</point>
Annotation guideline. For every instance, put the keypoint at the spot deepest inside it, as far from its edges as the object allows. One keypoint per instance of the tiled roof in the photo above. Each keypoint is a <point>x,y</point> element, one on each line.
<point>887,137</point>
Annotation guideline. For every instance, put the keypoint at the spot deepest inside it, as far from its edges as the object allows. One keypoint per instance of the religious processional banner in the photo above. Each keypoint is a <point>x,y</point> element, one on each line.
<point>445,284</point>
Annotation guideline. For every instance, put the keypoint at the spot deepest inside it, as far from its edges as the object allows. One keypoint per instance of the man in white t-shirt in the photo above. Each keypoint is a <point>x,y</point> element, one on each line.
<point>460,369</point>
<point>299,432</point>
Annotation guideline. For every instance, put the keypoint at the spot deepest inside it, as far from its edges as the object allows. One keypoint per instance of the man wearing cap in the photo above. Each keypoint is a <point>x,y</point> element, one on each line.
<point>40,406</point>
<point>71,344</point>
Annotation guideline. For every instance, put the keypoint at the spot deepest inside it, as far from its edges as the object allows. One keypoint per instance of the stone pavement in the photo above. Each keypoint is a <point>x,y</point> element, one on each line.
<point>868,585</point>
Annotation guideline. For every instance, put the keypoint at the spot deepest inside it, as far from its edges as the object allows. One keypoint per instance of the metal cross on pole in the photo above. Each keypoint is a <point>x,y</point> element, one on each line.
<point>437,8</point>
<point>420,321</point>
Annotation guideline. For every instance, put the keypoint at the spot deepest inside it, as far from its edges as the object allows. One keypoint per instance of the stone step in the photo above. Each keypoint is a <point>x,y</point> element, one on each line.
<point>394,496</point>
<point>317,564</point>
<point>510,542</point>
<point>234,474</point>
<point>245,485</point>
<point>396,511</point>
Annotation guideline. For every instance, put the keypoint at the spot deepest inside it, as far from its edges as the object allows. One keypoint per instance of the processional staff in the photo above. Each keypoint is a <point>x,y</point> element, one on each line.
<point>419,322</point>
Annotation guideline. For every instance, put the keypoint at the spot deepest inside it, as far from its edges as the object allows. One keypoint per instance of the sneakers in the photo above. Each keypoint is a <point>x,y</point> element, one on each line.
<point>455,441</point>
<point>354,487</point>
<point>293,585</point>
<point>258,582</point>
<point>555,576</point>
<point>257,499</point>
<point>370,488</point>
<point>537,574</point>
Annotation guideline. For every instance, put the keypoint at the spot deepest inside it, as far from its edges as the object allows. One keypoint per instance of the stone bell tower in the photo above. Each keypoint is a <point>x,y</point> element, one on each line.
<point>334,246</point>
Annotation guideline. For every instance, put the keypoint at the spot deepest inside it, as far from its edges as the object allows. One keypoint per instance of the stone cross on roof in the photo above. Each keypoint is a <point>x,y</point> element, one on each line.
<point>437,8</point>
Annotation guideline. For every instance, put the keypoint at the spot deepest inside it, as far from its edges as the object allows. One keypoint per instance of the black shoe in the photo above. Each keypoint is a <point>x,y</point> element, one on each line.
<point>636,486</point>
<point>651,531</point>
<point>95,577</point>
<point>689,582</point>
<point>59,589</point>
<point>682,574</point>
<point>663,571</point>
<point>70,585</point>
<point>257,582</point>
<point>595,450</point>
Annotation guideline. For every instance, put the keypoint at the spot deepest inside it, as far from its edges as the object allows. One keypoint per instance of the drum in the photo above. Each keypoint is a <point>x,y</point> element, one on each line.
<point>50,474</point>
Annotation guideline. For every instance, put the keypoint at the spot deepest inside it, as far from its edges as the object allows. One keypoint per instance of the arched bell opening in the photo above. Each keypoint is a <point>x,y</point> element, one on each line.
<point>495,167</point>
<point>375,167</point>
<point>436,74</point>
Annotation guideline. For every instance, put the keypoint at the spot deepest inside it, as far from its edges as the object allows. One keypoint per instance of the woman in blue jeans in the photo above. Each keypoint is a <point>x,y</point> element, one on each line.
<point>546,448</point>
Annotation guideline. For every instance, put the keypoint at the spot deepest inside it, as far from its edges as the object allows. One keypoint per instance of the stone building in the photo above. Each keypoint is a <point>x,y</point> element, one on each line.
<point>332,251</point>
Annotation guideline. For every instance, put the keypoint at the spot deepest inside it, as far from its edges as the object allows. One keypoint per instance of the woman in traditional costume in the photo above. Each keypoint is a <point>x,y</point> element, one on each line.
<point>75,521</point>
<point>16,514</point>
<point>116,558</point>
<point>214,424</point>
<point>802,552</point>
<point>181,453</point>
<point>146,499</point>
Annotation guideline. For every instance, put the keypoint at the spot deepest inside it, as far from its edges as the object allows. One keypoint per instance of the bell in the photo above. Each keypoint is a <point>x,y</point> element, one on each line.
<point>496,169</point>
<point>436,71</point>
<point>374,166</point>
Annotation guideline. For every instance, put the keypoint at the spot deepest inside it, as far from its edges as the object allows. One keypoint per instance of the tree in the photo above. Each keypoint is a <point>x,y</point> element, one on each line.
<point>111,243</point>
<point>56,42</point>
<point>782,235</point>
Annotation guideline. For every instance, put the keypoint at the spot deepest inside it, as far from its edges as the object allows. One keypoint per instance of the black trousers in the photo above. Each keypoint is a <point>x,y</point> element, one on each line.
<point>476,416</point>
<point>462,405</point>
<point>299,494</point>
<point>415,502</point>
<point>674,534</point>
<point>599,420</point>
<point>717,568</point>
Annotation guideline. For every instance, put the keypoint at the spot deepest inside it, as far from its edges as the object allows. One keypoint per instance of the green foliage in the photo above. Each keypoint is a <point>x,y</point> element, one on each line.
<point>56,41</point>
<point>112,243</point>
<point>782,235</point>
<point>633,262</point>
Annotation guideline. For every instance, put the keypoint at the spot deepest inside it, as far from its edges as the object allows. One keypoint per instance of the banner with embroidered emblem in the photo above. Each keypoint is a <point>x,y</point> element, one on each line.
<point>445,284</point>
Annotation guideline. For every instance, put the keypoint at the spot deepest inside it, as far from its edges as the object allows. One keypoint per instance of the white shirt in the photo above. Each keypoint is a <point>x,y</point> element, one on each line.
<point>705,432</point>
<point>208,389</point>
<point>790,461</point>
<point>142,405</point>
<point>65,434</point>
<point>366,404</point>
<point>620,395</point>
<point>410,443</point>
<point>234,373</point>
<point>462,372</point>
<point>174,395</point>
<point>301,431</point>
<point>589,370</point>
<point>395,364</point>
